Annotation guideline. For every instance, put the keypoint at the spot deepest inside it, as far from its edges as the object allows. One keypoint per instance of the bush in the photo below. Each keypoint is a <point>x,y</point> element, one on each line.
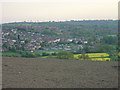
<point>84,56</point>
<point>45,54</point>
<point>65,55</point>
<point>54,53</point>
<point>12,49</point>
<point>28,55</point>
<point>37,54</point>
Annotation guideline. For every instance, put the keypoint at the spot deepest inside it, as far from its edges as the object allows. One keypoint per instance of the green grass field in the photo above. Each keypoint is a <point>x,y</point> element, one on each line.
<point>11,54</point>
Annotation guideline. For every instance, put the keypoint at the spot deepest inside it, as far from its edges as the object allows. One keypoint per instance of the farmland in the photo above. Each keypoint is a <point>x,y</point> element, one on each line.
<point>96,56</point>
<point>92,56</point>
<point>58,73</point>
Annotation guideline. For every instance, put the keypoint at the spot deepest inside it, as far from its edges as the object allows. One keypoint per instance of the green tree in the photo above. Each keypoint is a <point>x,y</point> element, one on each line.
<point>79,42</point>
<point>45,54</point>
<point>5,45</point>
<point>73,41</point>
<point>26,41</point>
<point>18,37</point>
<point>12,49</point>
<point>84,56</point>
<point>65,55</point>
<point>49,32</point>
<point>28,54</point>
<point>109,40</point>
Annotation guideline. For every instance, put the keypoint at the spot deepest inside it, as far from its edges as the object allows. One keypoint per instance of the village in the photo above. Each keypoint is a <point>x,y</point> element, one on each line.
<point>32,41</point>
<point>72,36</point>
<point>51,43</point>
<point>51,39</point>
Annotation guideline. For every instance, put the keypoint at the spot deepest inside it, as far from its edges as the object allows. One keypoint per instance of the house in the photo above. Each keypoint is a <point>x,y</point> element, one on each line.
<point>70,40</point>
<point>22,42</point>
<point>13,40</point>
<point>85,42</point>
<point>57,40</point>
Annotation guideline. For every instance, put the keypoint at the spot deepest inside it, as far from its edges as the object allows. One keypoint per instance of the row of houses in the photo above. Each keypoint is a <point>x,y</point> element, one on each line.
<point>36,39</point>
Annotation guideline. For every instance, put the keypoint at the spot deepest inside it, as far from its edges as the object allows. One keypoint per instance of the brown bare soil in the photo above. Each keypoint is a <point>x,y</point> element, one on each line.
<point>55,73</point>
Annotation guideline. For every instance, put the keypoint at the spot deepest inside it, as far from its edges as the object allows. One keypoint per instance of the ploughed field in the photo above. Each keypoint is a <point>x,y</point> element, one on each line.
<point>58,73</point>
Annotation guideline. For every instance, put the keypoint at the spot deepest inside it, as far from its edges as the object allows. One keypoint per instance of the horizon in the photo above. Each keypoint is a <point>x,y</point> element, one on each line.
<point>60,21</point>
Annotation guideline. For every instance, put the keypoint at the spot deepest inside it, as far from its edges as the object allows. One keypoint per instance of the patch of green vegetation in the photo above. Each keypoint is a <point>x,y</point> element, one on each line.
<point>49,33</point>
<point>11,54</point>
<point>0,53</point>
<point>65,55</point>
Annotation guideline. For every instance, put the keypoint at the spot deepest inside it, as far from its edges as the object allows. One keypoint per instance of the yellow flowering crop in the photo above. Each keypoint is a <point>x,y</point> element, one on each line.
<point>95,56</point>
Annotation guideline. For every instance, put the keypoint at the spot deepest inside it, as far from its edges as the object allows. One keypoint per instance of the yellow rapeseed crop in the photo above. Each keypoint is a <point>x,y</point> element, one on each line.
<point>95,56</point>
<point>119,54</point>
<point>92,56</point>
<point>100,59</point>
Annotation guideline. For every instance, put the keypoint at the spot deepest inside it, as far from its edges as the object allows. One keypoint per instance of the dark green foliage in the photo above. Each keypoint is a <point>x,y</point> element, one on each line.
<point>27,41</point>
<point>45,54</point>
<point>12,49</point>
<point>43,44</point>
<point>49,33</point>
<point>5,45</point>
<point>79,42</point>
<point>21,28</point>
<point>110,40</point>
<point>73,41</point>
<point>28,54</point>
<point>18,37</point>
<point>54,54</point>
<point>84,56</point>
<point>65,55</point>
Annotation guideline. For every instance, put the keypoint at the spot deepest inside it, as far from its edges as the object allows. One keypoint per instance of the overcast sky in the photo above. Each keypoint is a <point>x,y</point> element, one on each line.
<point>58,10</point>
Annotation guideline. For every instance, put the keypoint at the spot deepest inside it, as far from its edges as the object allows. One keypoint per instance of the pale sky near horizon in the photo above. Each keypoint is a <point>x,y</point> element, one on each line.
<point>62,10</point>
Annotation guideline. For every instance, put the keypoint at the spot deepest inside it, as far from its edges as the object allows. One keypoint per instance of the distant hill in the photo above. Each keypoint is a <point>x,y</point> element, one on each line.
<point>68,28</point>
